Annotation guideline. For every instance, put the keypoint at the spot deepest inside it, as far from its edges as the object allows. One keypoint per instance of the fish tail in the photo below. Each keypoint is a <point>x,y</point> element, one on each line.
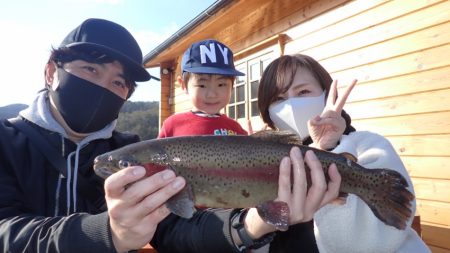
<point>386,193</point>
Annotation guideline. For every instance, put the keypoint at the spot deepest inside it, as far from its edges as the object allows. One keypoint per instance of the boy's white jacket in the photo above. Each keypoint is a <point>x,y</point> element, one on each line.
<point>353,227</point>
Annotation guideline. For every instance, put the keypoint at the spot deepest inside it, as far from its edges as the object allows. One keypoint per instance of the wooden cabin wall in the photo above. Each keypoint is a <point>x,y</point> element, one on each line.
<point>400,53</point>
<point>173,99</point>
<point>248,22</point>
<point>182,99</point>
<point>166,97</point>
<point>399,50</point>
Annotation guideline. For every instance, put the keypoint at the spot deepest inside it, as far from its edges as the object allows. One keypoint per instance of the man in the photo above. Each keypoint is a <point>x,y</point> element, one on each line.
<point>50,198</point>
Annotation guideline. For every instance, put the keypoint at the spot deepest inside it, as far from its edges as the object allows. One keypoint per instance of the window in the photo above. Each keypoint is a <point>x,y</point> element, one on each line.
<point>236,107</point>
<point>244,98</point>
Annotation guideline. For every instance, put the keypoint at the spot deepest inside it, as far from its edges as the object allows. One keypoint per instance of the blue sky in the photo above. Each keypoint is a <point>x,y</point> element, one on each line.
<point>30,28</point>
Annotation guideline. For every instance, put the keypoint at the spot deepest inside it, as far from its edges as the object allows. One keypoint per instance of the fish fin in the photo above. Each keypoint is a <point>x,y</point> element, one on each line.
<point>275,213</point>
<point>349,157</point>
<point>388,197</point>
<point>182,204</point>
<point>285,137</point>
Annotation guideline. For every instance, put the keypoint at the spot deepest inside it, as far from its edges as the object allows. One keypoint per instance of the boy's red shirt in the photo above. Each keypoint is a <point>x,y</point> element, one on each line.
<point>188,123</point>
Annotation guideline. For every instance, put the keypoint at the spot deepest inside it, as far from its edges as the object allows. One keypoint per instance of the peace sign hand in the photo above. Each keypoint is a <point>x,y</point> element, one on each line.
<point>326,130</point>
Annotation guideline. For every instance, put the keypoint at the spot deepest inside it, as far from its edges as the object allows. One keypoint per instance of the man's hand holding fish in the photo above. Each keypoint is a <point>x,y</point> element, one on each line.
<point>136,204</point>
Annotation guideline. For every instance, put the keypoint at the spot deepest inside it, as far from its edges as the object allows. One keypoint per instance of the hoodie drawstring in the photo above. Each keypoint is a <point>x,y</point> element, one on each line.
<point>69,179</point>
<point>61,176</point>
<point>71,192</point>
<point>75,176</point>
<point>76,153</point>
<point>58,188</point>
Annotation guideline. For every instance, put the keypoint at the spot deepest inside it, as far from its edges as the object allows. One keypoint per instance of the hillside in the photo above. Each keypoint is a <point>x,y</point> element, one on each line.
<point>11,110</point>
<point>141,118</point>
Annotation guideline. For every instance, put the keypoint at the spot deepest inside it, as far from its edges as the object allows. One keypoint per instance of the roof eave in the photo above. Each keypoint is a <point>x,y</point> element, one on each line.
<point>191,25</point>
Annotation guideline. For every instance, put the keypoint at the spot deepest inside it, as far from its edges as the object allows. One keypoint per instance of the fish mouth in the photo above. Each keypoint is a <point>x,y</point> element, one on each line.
<point>103,167</point>
<point>103,171</point>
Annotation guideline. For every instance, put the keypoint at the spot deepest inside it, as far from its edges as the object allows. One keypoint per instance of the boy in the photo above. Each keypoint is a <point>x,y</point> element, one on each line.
<point>208,75</point>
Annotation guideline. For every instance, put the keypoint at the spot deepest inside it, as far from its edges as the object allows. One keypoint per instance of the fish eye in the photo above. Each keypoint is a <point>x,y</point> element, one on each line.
<point>124,164</point>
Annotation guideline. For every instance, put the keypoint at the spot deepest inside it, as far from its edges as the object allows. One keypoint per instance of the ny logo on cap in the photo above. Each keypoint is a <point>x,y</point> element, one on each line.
<point>211,53</point>
<point>209,57</point>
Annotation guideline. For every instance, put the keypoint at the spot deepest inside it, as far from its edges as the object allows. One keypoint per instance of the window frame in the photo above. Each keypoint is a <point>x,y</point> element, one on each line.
<point>261,58</point>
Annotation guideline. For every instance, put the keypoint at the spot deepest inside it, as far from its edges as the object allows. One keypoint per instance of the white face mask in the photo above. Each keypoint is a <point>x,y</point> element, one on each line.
<point>293,114</point>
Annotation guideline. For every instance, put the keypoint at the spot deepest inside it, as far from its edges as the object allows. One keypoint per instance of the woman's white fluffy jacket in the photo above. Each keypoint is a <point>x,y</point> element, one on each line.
<point>353,227</point>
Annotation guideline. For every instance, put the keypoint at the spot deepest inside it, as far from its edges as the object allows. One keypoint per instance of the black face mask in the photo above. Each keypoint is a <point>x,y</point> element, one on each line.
<point>85,106</point>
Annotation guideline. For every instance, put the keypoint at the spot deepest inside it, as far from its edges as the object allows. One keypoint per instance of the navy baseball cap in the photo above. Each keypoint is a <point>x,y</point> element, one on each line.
<point>209,57</point>
<point>111,39</point>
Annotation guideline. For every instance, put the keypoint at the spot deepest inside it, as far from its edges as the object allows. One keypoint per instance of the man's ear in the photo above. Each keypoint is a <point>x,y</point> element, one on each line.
<point>50,72</point>
<point>183,84</point>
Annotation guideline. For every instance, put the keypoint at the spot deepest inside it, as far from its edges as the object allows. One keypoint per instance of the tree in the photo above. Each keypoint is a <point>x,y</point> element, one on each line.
<point>141,118</point>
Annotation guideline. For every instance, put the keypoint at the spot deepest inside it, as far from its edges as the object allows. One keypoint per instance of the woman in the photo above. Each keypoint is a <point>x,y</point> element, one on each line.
<point>296,93</point>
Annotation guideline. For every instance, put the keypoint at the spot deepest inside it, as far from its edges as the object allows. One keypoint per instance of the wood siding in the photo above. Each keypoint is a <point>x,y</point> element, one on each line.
<point>399,50</point>
<point>400,53</point>
<point>240,26</point>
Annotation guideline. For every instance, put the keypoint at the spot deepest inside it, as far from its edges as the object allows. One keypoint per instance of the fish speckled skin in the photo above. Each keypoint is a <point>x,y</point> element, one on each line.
<point>242,171</point>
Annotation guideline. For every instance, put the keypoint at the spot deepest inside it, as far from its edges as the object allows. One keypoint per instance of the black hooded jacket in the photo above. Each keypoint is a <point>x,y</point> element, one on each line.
<point>33,205</point>
<point>33,212</point>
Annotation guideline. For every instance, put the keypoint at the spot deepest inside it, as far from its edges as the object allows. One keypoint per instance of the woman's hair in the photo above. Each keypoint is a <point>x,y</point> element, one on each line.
<point>64,54</point>
<point>277,78</point>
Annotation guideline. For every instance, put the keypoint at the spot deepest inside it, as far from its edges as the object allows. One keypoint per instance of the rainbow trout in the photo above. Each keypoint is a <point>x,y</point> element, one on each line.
<point>242,171</point>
